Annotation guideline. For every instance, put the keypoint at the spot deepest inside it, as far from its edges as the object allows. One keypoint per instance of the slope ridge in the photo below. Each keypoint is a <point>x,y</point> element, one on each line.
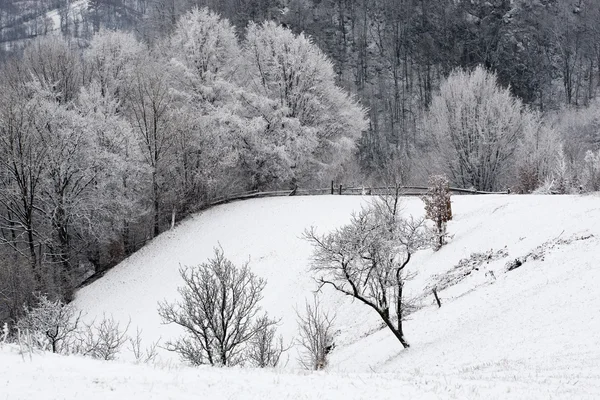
<point>522,321</point>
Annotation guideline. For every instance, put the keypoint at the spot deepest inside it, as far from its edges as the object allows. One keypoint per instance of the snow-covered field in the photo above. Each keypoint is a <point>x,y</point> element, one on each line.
<point>533,332</point>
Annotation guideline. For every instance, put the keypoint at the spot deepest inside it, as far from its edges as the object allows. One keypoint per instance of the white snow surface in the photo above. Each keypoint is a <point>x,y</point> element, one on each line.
<point>531,333</point>
<point>75,10</point>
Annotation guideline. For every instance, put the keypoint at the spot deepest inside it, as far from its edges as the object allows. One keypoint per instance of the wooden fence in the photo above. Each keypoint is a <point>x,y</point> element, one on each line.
<point>341,190</point>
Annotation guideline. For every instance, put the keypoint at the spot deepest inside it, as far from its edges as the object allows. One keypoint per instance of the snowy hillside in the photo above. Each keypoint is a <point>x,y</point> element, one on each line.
<point>533,332</point>
<point>33,20</point>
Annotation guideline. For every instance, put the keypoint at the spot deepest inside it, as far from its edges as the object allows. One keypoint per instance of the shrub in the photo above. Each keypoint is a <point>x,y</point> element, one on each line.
<point>217,310</point>
<point>315,328</point>
<point>50,323</point>
<point>438,206</point>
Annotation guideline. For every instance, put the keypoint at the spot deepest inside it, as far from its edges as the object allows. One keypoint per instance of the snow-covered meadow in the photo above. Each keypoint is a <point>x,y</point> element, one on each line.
<point>533,332</point>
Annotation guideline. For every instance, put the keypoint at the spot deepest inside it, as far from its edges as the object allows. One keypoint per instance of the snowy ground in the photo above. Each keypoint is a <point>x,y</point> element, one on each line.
<point>75,10</point>
<point>533,332</point>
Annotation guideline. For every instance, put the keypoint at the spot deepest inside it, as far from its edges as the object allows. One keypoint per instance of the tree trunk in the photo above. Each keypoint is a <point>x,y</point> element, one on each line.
<point>156,204</point>
<point>399,314</point>
<point>397,331</point>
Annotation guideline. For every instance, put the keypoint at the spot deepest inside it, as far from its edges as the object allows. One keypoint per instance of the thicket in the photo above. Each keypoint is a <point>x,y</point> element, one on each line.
<point>102,150</point>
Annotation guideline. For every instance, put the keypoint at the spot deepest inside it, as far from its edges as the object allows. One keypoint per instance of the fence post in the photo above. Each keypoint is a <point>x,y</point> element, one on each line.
<point>331,187</point>
<point>437,299</point>
<point>340,190</point>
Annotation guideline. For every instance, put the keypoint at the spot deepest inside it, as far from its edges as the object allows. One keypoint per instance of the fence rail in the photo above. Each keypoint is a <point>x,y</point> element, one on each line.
<point>341,190</point>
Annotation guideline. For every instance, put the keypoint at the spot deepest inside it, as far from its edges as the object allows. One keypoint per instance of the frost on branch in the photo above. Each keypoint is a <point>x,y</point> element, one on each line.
<point>316,334</point>
<point>218,311</point>
<point>438,207</point>
<point>50,323</point>
<point>366,259</point>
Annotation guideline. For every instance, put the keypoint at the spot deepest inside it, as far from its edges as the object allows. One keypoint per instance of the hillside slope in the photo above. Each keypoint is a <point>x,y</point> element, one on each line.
<point>534,327</point>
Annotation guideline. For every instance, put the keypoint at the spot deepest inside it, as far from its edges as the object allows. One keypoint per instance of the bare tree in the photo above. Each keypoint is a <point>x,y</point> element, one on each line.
<point>315,328</point>
<point>51,322</point>
<point>218,309</point>
<point>265,349</point>
<point>101,340</point>
<point>148,103</point>
<point>366,259</point>
<point>143,355</point>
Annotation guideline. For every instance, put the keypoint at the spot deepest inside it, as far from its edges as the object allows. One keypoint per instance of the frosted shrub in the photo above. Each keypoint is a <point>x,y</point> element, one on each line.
<point>315,328</point>
<point>438,206</point>
<point>218,311</point>
<point>50,324</point>
<point>591,172</point>
<point>265,349</point>
<point>102,340</point>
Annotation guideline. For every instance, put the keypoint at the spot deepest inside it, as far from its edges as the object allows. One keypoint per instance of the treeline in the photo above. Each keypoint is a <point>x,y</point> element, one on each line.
<point>393,54</point>
<point>157,107</point>
<point>102,150</point>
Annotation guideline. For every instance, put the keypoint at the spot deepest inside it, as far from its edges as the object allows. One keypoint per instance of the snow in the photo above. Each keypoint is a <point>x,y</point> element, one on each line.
<point>75,10</point>
<point>533,332</point>
<point>46,376</point>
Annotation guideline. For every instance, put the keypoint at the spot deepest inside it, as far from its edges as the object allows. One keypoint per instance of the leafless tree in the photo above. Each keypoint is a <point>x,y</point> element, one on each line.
<point>218,309</point>
<point>101,340</point>
<point>142,355</point>
<point>51,323</point>
<point>316,334</point>
<point>148,103</point>
<point>265,349</point>
<point>366,259</point>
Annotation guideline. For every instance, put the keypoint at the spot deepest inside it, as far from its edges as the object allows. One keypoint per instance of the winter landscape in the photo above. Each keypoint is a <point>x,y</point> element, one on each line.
<point>526,333</point>
<point>299,199</point>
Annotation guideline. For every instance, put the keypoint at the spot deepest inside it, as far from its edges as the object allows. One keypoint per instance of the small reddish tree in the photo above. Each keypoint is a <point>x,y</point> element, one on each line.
<point>438,206</point>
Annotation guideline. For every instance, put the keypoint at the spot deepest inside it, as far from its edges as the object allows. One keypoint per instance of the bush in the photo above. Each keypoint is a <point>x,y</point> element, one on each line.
<point>316,335</point>
<point>265,349</point>
<point>51,324</point>
<point>218,309</point>
<point>438,206</point>
<point>103,340</point>
<point>146,355</point>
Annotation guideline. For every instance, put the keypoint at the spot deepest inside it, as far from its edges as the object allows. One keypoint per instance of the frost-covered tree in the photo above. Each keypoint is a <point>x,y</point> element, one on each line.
<point>51,324</point>
<point>55,66</point>
<point>316,335</point>
<point>535,156</point>
<point>476,127</point>
<point>203,57</point>
<point>591,174</point>
<point>115,198</point>
<point>206,44</point>
<point>309,120</point>
<point>22,162</point>
<point>149,111</point>
<point>109,58</point>
<point>218,312</point>
<point>438,206</point>
<point>367,259</point>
